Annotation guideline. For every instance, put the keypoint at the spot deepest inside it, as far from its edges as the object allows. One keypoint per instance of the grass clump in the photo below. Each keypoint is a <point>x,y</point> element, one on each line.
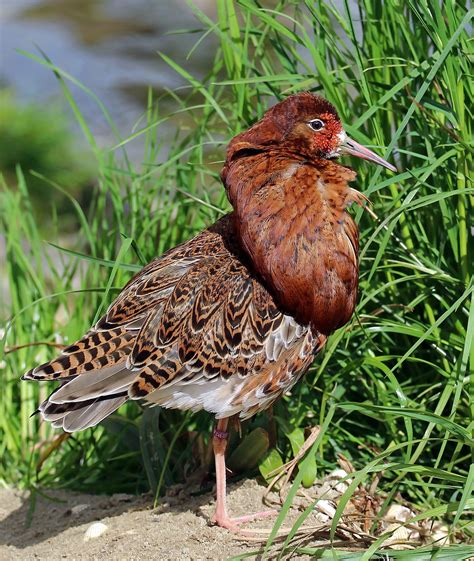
<point>40,140</point>
<point>393,390</point>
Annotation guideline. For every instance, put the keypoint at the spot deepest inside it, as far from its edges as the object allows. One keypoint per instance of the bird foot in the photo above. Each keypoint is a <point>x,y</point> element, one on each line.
<point>233,524</point>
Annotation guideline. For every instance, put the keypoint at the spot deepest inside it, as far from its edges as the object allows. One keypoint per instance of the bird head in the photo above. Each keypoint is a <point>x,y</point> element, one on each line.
<point>305,124</point>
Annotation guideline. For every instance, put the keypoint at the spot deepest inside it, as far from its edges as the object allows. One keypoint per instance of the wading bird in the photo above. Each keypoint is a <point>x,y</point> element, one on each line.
<point>230,320</point>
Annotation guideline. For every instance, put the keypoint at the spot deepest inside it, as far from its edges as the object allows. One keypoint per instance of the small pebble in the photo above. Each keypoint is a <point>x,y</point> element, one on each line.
<point>440,534</point>
<point>341,486</point>
<point>95,530</point>
<point>398,513</point>
<point>77,509</point>
<point>401,537</point>
<point>326,508</point>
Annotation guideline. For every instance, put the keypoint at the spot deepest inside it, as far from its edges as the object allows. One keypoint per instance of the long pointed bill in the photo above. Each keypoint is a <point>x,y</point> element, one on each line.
<point>353,148</point>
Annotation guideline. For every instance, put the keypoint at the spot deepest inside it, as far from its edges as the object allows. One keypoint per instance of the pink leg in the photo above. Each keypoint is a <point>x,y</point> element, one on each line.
<point>221,518</point>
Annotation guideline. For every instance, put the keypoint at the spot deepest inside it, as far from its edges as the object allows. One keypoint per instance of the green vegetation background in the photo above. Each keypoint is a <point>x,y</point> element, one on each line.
<point>392,390</point>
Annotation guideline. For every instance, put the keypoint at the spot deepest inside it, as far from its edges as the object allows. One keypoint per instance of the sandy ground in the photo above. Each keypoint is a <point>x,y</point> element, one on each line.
<point>58,527</point>
<point>179,529</point>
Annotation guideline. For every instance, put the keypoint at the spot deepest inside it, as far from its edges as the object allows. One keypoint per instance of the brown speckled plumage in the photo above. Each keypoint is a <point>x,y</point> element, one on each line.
<point>196,314</point>
<point>231,319</point>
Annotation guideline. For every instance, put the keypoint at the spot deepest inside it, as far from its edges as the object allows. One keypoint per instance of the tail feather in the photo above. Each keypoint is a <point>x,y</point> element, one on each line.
<point>80,415</point>
<point>90,385</point>
<point>94,378</point>
<point>85,400</point>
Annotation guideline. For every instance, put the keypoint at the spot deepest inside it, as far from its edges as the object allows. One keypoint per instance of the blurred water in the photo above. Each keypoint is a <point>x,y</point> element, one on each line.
<point>111,46</point>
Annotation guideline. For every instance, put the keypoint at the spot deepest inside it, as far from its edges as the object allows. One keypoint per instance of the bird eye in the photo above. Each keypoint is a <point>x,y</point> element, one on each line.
<point>316,124</point>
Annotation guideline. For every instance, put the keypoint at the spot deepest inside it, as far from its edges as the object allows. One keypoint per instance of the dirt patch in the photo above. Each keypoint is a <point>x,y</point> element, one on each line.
<point>75,526</point>
<point>179,529</point>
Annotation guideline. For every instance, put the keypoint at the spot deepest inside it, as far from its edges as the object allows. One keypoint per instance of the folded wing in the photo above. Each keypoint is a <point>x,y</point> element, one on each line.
<point>194,329</point>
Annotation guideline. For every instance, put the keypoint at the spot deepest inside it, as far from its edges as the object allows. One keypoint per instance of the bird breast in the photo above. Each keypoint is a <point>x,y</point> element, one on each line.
<point>292,221</point>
